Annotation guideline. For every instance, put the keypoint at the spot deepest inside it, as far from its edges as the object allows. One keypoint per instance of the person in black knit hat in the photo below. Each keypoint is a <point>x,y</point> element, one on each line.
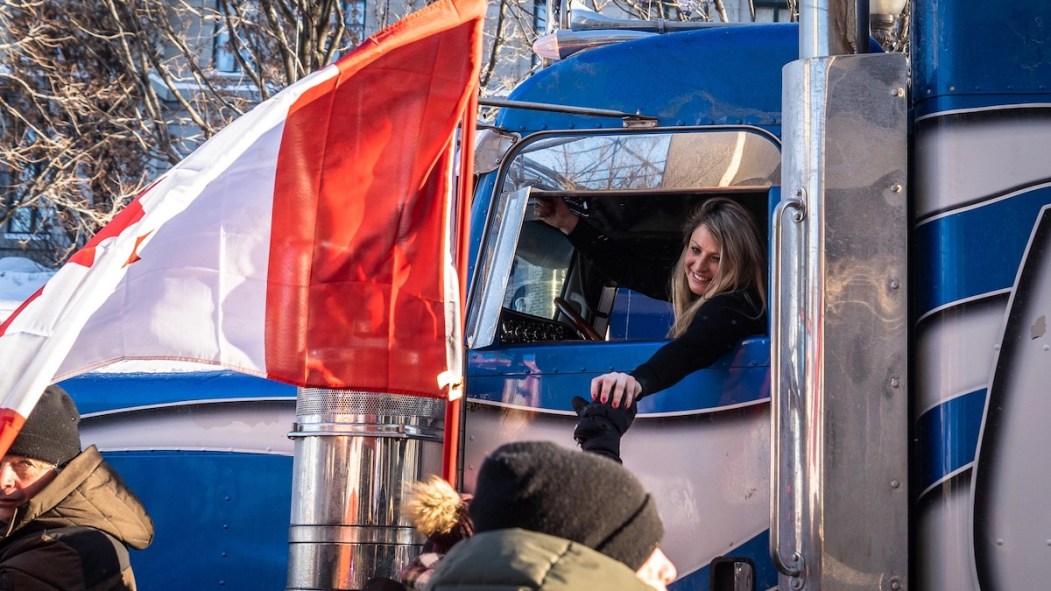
<point>52,432</point>
<point>66,518</point>
<point>552,519</point>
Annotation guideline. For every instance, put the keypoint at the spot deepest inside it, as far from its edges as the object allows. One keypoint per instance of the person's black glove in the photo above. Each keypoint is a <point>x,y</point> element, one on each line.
<point>601,426</point>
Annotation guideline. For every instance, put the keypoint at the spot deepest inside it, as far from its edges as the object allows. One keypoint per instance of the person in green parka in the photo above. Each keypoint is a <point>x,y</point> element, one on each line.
<point>551,519</point>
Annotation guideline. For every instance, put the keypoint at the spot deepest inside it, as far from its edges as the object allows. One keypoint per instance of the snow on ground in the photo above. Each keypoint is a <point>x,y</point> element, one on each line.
<point>21,277</point>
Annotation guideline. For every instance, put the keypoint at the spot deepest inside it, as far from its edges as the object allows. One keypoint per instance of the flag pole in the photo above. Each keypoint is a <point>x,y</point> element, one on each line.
<point>451,469</point>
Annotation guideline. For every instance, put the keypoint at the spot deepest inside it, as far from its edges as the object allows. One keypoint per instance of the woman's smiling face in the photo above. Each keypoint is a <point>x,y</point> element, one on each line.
<point>701,263</point>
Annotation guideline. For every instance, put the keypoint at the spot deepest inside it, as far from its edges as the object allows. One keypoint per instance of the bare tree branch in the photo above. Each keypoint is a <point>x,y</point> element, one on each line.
<point>97,98</point>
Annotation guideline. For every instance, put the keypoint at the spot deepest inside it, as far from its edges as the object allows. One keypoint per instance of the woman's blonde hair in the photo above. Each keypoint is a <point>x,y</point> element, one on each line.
<point>741,263</point>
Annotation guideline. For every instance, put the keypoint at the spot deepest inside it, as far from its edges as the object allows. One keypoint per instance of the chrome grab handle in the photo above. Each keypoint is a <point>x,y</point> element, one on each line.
<point>793,568</point>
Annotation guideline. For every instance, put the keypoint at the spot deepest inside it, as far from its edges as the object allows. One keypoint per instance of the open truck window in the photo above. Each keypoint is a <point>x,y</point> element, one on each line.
<point>634,189</point>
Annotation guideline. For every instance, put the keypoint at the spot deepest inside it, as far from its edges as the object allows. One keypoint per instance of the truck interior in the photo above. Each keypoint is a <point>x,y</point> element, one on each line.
<point>555,292</point>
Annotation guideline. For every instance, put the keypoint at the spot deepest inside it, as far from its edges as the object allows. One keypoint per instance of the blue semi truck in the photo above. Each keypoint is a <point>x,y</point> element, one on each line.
<point>885,434</point>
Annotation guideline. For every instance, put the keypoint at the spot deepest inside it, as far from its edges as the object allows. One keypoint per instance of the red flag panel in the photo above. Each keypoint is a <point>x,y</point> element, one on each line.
<point>356,295</point>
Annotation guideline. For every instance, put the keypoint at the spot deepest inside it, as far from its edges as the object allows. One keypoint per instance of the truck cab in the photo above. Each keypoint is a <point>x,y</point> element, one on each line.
<point>543,318</point>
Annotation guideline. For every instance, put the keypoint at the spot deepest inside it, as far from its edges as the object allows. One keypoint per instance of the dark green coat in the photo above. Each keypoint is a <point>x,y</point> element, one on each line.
<point>71,536</point>
<point>520,560</point>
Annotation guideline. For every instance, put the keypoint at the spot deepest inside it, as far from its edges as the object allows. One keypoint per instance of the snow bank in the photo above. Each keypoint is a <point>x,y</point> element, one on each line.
<point>21,277</point>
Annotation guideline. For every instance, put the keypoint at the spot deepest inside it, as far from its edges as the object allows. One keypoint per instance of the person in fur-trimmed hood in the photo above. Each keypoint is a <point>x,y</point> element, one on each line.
<point>66,517</point>
<point>440,514</point>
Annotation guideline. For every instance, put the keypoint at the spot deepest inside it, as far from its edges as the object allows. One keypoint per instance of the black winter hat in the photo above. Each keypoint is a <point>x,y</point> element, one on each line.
<point>578,496</point>
<point>50,433</point>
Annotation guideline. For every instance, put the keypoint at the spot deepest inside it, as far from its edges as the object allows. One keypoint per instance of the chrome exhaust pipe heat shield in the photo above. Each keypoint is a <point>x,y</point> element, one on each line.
<point>356,453</point>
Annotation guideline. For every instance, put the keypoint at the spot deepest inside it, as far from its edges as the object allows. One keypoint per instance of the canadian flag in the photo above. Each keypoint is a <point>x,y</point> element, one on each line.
<point>314,241</point>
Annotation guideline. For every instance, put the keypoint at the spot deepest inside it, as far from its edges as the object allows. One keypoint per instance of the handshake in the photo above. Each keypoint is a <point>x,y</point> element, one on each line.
<point>600,426</point>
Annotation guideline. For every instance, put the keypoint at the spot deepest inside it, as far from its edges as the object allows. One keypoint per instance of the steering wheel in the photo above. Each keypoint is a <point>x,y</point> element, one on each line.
<point>582,327</point>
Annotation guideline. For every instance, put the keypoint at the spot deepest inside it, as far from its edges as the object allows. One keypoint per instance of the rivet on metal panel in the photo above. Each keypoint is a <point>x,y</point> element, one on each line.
<point>895,382</point>
<point>895,484</point>
<point>894,284</point>
<point>797,583</point>
<point>900,92</point>
<point>896,188</point>
<point>895,583</point>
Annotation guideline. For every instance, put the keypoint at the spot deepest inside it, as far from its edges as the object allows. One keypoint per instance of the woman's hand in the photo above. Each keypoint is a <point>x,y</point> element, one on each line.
<point>616,387</point>
<point>555,212</point>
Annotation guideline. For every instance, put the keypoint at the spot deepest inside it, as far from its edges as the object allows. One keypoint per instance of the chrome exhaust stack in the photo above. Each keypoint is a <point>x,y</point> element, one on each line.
<point>356,453</point>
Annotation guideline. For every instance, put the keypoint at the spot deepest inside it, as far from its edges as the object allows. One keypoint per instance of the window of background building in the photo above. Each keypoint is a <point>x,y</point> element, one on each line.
<point>30,222</point>
<point>25,222</point>
<point>772,11</point>
<point>22,222</point>
<point>354,18</point>
<point>223,56</point>
<point>540,17</point>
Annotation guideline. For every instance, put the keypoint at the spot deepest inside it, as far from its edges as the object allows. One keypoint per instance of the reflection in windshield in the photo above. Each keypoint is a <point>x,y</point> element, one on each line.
<point>539,270</point>
<point>647,161</point>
